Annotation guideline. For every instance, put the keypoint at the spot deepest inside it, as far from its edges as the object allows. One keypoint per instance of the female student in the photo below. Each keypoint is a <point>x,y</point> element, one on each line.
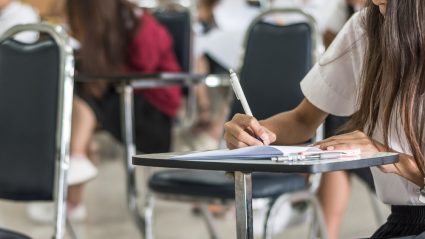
<point>374,71</point>
<point>116,38</point>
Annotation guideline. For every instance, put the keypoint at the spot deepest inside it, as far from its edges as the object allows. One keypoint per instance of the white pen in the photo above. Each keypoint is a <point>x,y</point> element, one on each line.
<point>237,88</point>
<point>298,157</point>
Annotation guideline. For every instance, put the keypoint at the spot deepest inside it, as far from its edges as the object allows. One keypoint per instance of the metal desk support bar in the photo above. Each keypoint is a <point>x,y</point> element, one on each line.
<point>125,91</point>
<point>243,198</point>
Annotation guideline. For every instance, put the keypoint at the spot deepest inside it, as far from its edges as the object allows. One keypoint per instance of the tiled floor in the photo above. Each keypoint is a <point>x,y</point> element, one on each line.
<point>109,219</point>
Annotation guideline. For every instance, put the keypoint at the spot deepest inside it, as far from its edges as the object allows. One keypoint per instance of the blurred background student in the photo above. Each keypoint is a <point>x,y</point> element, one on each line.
<point>14,12</point>
<point>116,38</point>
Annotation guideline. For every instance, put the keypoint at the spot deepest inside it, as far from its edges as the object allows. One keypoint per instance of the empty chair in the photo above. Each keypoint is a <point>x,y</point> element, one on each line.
<point>36,88</point>
<point>178,23</point>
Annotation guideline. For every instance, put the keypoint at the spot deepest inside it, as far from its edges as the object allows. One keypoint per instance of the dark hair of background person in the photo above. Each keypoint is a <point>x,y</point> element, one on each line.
<point>393,77</point>
<point>105,28</point>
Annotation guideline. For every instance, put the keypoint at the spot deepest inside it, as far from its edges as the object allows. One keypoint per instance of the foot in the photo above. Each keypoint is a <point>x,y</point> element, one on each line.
<point>81,170</point>
<point>42,212</point>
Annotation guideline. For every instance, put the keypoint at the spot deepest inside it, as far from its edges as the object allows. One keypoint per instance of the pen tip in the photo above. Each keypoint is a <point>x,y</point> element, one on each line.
<point>231,71</point>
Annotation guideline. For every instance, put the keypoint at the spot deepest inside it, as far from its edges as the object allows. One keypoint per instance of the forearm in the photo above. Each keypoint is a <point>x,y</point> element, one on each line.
<point>289,128</point>
<point>406,168</point>
<point>296,126</point>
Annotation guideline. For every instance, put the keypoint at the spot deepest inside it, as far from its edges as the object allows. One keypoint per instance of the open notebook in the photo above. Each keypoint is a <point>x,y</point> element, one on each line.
<point>253,152</point>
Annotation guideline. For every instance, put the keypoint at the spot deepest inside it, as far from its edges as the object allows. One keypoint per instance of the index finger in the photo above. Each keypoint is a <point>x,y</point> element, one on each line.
<point>246,121</point>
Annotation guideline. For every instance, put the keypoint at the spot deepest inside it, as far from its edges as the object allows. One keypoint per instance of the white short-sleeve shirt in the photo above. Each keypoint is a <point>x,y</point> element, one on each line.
<point>333,86</point>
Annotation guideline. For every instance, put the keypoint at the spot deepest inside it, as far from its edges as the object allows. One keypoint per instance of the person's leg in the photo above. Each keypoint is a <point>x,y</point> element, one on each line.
<point>334,192</point>
<point>83,126</point>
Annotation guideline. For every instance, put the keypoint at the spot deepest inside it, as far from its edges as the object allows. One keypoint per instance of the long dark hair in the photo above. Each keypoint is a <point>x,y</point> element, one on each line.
<point>104,28</point>
<point>393,74</point>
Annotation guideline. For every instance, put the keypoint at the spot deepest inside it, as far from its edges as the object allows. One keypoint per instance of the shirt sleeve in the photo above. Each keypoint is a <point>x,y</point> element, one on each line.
<point>332,85</point>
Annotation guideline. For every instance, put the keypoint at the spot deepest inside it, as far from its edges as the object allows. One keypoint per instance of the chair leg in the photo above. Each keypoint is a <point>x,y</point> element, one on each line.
<point>318,223</point>
<point>268,221</point>
<point>148,217</point>
<point>209,221</point>
<point>71,230</point>
<point>314,228</point>
<point>319,218</point>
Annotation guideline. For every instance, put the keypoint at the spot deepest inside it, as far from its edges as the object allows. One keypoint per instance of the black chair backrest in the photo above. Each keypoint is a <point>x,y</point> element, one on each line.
<point>276,60</point>
<point>178,24</point>
<point>333,124</point>
<point>29,78</point>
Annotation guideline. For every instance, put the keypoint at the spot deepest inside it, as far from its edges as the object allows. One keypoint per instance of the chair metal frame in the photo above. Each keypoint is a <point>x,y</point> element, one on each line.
<point>63,125</point>
<point>146,218</point>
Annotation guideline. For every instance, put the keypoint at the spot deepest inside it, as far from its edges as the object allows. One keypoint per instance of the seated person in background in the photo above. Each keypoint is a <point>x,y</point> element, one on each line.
<point>14,12</point>
<point>232,18</point>
<point>116,38</point>
<point>374,71</point>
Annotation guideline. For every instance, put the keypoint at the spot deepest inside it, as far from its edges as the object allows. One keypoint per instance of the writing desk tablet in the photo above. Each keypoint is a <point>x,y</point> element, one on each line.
<point>266,164</point>
<point>243,169</point>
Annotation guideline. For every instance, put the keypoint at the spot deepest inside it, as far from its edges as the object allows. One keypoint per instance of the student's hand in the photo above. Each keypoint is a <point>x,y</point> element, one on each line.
<point>243,130</point>
<point>359,140</point>
<point>353,140</point>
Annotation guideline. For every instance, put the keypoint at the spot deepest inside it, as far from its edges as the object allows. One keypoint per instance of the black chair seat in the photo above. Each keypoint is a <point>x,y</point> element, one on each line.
<point>5,234</point>
<point>211,184</point>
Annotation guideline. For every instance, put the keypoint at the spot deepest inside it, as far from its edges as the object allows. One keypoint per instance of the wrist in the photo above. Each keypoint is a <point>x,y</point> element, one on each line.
<point>408,169</point>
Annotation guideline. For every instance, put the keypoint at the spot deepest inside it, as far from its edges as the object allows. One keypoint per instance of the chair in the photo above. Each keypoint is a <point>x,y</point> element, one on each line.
<point>270,52</point>
<point>36,90</point>
<point>177,20</point>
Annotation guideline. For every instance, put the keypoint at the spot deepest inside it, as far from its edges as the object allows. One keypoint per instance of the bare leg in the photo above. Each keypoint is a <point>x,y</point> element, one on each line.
<point>83,126</point>
<point>334,193</point>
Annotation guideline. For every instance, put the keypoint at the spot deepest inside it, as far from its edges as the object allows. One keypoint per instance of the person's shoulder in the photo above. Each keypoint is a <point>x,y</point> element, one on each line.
<point>151,28</point>
<point>148,21</point>
<point>355,24</point>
